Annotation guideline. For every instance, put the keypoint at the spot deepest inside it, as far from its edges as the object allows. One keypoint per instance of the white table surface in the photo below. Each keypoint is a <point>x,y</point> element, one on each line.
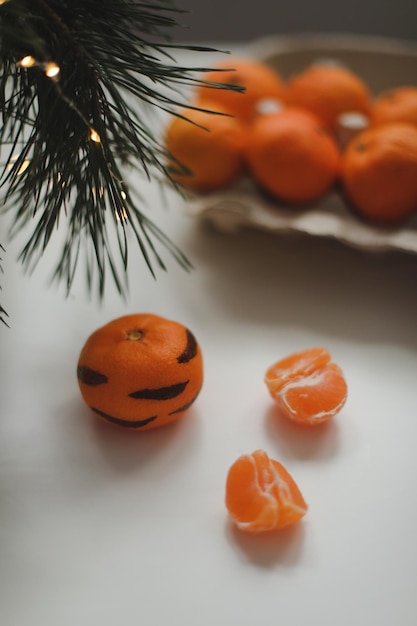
<point>100,526</point>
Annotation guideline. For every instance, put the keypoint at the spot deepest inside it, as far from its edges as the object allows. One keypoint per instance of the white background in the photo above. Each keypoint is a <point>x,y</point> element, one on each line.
<point>101,526</point>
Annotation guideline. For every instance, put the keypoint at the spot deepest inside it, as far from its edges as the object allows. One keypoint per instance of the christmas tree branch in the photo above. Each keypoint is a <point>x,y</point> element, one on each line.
<point>80,84</point>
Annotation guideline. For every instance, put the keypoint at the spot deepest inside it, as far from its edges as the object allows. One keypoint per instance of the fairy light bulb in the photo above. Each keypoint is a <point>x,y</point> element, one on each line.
<point>23,167</point>
<point>94,136</point>
<point>27,61</point>
<point>25,164</point>
<point>121,214</point>
<point>52,69</point>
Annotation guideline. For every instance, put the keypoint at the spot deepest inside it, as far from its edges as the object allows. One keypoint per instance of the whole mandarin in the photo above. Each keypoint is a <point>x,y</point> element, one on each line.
<point>329,90</point>
<point>140,371</point>
<point>379,172</point>
<point>261,82</point>
<point>292,156</point>
<point>206,147</point>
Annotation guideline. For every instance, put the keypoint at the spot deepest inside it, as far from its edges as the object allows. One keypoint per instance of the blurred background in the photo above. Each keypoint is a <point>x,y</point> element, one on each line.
<point>235,20</point>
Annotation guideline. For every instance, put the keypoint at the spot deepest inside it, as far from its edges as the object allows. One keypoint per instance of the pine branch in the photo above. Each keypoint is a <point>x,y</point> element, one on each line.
<point>79,83</point>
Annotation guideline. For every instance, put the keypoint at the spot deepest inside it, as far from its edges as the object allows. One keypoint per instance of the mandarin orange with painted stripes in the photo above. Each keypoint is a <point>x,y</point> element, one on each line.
<point>140,371</point>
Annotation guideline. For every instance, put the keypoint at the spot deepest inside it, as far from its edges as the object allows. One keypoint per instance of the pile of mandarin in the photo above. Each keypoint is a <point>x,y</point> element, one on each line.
<point>300,138</point>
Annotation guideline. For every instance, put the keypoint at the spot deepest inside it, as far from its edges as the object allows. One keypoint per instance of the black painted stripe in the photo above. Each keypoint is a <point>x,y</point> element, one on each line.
<point>126,423</point>
<point>190,349</point>
<point>90,377</point>
<point>160,393</point>
<point>184,407</point>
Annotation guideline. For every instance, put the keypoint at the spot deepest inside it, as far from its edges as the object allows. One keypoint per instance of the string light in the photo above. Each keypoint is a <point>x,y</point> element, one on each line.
<point>52,69</point>
<point>25,164</point>
<point>23,167</point>
<point>121,214</point>
<point>27,61</point>
<point>94,136</point>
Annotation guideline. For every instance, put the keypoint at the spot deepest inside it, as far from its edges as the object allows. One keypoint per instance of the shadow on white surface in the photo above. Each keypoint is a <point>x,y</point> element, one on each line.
<point>305,283</point>
<point>267,550</point>
<point>123,450</point>
<point>316,443</point>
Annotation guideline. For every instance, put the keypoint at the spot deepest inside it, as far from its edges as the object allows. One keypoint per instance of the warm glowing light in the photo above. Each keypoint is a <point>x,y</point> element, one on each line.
<point>27,61</point>
<point>94,136</point>
<point>52,69</point>
<point>121,215</point>
<point>23,167</point>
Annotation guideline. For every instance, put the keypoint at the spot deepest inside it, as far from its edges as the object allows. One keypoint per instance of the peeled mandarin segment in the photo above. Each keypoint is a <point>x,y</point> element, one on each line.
<point>295,365</point>
<point>292,504</point>
<point>248,503</point>
<point>314,398</point>
<point>307,387</point>
<point>261,495</point>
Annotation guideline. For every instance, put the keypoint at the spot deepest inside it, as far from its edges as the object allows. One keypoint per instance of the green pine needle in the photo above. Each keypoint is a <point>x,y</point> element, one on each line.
<point>117,68</point>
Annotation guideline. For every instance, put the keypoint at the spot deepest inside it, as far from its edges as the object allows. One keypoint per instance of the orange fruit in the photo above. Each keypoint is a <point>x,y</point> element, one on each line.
<point>307,387</point>
<point>379,172</point>
<point>140,371</point>
<point>328,90</point>
<point>261,82</point>
<point>292,156</point>
<point>261,495</point>
<point>395,105</point>
<point>206,148</point>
